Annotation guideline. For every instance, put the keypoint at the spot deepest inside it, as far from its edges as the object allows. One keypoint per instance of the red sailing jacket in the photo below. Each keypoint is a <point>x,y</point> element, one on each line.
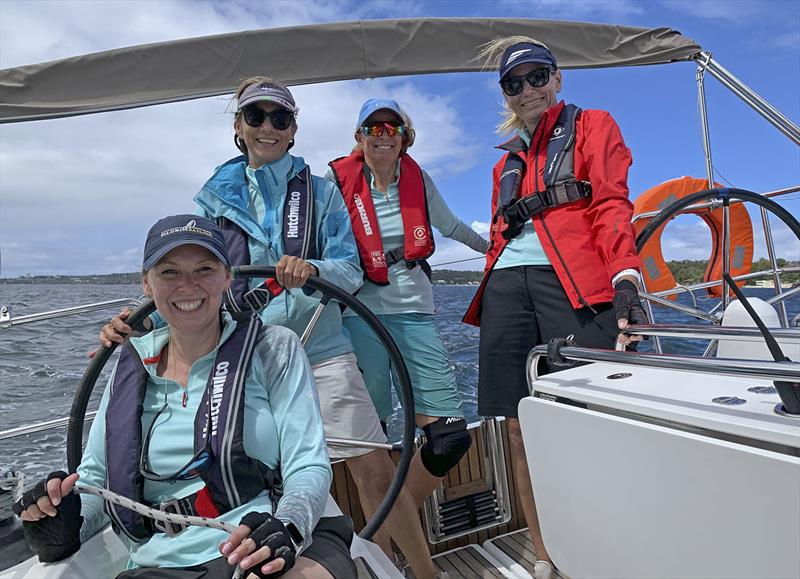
<point>349,174</point>
<point>590,240</point>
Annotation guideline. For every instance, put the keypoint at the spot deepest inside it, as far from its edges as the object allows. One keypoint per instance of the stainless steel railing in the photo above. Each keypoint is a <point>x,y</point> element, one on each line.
<point>730,333</point>
<point>7,321</point>
<point>762,369</point>
<point>41,426</point>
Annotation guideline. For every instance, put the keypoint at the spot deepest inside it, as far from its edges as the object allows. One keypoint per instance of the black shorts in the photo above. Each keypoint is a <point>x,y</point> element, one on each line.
<point>330,548</point>
<point>523,307</point>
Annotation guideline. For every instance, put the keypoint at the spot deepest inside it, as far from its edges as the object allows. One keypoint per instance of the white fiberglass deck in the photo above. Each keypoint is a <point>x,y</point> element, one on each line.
<point>680,397</point>
<point>655,480</point>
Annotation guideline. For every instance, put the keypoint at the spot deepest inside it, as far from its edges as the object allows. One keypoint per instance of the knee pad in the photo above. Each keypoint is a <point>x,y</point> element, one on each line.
<point>447,440</point>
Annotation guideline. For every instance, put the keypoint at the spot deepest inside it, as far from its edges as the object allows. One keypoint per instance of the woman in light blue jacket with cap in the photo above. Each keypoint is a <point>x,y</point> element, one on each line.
<point>197,416</point>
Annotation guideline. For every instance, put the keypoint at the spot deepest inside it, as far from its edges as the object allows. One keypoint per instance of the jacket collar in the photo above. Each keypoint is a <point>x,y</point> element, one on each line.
<point>150,345</point>
<point>546,123</point>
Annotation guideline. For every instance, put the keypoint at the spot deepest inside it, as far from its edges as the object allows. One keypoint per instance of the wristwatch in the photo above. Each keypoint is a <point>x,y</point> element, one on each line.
<point>296,536</point>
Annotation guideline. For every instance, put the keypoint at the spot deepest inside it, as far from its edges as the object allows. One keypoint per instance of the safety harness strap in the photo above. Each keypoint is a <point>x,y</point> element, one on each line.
<point>561,186</point>
<point>299,240</point>
<point>398,254</point>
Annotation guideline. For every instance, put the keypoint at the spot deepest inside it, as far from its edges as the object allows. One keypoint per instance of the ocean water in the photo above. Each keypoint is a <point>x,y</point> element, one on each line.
<point>42,363</point>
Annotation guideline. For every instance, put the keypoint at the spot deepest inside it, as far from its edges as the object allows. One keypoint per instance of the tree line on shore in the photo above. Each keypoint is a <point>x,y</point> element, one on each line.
<point>685,271</point>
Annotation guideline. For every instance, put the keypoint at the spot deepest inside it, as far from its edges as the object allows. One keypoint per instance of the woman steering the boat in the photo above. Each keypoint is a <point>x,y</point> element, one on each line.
<point>562,258</point>
<point>273,212</point>
<point>197,418</point>
<point>392,204</point>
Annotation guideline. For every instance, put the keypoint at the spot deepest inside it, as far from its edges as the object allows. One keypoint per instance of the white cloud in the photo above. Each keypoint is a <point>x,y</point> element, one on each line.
<point>453,255</point>
<point>72,28</point>
<point>688,237</point>
<point>738,11</point>
<point>101,180</point>
<point>790,40</point>
<point>609,11</point>
<point>480,227</point>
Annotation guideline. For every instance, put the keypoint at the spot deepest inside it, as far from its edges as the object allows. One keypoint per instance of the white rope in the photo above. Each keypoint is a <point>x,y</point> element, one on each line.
<point>158,515</point>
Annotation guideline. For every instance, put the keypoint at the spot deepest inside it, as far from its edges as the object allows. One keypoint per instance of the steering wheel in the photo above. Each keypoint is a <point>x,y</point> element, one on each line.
<point>329,292</point>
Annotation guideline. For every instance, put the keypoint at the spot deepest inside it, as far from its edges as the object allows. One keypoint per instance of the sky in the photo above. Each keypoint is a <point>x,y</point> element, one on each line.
<point>77,195</point>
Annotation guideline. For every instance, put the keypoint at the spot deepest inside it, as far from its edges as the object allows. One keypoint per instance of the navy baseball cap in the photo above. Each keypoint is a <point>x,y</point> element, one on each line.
<point>267,91</point>
<point>373,105</point>
<point>177,230</point>
<point>523,53</point>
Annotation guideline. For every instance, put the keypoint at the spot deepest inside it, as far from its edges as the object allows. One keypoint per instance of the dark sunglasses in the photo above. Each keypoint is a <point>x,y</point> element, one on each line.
<point>196,466</point>
<point>512,85</point>
<point>255,116</point>
<point>376,129</point>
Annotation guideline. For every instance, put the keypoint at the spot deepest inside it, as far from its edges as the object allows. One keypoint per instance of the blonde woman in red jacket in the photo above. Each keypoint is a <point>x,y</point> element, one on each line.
<point>562,256</point>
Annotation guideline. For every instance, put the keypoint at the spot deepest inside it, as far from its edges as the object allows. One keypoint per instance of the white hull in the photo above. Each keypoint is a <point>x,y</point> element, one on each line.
<point>655,480</point>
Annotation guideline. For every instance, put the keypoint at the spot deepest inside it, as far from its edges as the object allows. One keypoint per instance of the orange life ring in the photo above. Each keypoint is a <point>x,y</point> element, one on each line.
<point>656,274</point>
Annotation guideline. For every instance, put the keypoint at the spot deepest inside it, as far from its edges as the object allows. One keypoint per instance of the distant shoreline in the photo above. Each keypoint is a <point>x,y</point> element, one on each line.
<point>687,272</point>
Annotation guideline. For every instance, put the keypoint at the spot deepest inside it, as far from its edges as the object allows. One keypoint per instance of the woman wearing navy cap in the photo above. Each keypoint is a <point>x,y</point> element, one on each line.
<point>179,428</point>
<point>562,257</point>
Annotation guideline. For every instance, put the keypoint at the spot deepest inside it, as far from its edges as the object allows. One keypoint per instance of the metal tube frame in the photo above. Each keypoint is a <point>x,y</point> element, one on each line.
<point>701,103</point>
<point>726,253</point>
<point>715,203</point>
<point>6,321</point>
<point>730,333</point>
<point>773,260</point>
<point>750,97</point>
<point>760,369</point>
<point>61,422</point>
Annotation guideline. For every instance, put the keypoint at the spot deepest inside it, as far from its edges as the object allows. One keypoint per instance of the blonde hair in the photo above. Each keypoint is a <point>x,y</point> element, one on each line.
<point>408,138</point>
<point>490,54</point>
<point>238,114</point>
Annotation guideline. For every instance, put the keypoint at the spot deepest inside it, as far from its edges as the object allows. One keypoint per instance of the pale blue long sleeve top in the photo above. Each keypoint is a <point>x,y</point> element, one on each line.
<point>409,290</point>
<point>525,248</point>
<point>282,428</point>
<point>254,199</point>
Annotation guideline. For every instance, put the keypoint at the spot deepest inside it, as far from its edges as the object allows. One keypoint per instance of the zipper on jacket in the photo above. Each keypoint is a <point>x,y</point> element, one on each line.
<point>581,299</point>
<point>566,269</point>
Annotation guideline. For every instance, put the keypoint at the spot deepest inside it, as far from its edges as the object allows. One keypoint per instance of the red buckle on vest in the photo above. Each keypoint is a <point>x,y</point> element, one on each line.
<point>204,505</point>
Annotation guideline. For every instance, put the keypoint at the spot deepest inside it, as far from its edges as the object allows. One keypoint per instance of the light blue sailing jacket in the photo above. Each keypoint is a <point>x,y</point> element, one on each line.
<point>282,428</point>
<point>228,193</point>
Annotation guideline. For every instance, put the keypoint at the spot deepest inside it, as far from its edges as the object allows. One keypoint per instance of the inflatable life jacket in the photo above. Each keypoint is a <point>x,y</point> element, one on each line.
<point>299,240</point>
<point>232,479</point>
<point>561,186</point>
<point>417,233</point>
<point>657,276</point>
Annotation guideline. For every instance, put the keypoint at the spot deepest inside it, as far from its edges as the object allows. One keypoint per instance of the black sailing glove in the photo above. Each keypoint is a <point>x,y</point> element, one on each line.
<point>627,305</point>
<point>52,538</point>
<point>270,532</point>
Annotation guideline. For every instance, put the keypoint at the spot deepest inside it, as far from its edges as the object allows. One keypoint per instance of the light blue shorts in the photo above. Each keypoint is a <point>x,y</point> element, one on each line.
<point>435,389</point>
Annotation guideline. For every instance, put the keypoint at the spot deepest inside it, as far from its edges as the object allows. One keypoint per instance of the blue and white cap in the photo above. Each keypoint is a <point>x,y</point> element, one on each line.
<point>177,230</point>
<point>524,53</point>
<point>373,105</point>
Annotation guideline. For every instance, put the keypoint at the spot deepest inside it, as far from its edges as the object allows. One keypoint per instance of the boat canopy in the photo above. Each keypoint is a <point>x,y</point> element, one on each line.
<point>206,66</point>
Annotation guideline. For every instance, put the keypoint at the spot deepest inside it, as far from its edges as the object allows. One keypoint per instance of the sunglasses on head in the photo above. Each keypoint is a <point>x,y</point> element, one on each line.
<point>196,466</point>
<point>255,116</point>
<point>376,129</point>
<point>512,85</point>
